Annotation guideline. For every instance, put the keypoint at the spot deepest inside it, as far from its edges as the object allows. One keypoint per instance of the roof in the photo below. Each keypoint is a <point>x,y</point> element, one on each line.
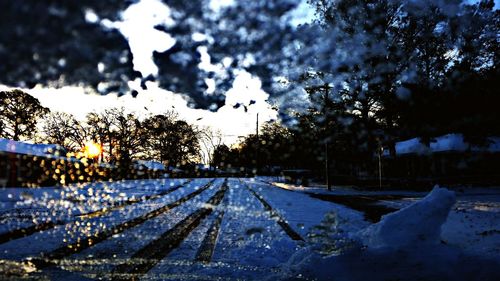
<point>202,167</point>
<point>18,147</point>
<point>152,165</point>
<point>446,143</point>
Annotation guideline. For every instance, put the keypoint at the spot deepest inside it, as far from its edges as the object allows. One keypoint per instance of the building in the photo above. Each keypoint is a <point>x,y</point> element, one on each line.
<point>445,159</point>
<point>27,164</point>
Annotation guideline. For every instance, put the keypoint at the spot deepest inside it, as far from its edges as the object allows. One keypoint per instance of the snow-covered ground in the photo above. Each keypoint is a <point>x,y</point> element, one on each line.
<point>468,236</point>
<point>245,229</point>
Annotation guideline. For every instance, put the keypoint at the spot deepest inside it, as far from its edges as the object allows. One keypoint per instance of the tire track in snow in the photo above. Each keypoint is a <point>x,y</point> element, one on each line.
<point>274,214</point>
<point>50,259</point>
<point>367,205</point>
<point>150,255</point>
<point>206,250</point>
<point>120,205</point>
<point>27,231</point>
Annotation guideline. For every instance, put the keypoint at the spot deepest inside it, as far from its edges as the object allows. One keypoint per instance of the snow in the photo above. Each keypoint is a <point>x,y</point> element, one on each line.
<point>418,223</point>
<point>472,224</point>
<point>336,190</point>
<point>152,165</point>
<point>292,205</point>
<point>250,243</point>
<point>74,229</point>
<point>19,207</point>
<point>449,142</point>
<point>410,244</point>
<point>18,147</point>
<point>474,227</point>
<point>410,146</point>
<point>122,247</point>
<point>445,235</point>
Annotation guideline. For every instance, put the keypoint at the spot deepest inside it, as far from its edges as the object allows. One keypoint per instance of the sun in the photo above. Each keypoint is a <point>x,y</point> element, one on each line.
<point>92,149</point>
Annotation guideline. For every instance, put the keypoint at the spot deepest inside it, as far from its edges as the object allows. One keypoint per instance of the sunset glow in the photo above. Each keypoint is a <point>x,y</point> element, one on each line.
<point>92,150</point>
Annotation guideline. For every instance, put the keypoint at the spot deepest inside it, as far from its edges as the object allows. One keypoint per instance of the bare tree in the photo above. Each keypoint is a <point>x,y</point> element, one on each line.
<point>100,130</point>
<point>210,139</point>
<point>63,129</point>
<point>119,134</point>
<point>127,136</point>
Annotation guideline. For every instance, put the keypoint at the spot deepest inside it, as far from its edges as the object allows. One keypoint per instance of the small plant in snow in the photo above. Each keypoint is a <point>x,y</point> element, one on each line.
<point>329,238</point>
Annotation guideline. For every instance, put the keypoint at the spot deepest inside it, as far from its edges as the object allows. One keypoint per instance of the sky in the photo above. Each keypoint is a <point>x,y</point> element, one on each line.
<point>137,25</point>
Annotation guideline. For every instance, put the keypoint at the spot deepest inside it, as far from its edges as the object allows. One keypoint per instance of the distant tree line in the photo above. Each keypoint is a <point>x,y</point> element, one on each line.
<point>122,136</point>
<point>277,147</point>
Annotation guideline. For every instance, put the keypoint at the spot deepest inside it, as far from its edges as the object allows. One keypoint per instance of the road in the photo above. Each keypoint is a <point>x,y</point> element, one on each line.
<point>199,229</point>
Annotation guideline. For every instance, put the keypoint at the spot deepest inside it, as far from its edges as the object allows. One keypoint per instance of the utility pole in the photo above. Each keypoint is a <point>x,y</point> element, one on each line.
<point>313,91</point>
<point>380,150</point>
<point>326,89</point>
<point>257,126</point>
<point>258,145</point>
<point>327,168</point>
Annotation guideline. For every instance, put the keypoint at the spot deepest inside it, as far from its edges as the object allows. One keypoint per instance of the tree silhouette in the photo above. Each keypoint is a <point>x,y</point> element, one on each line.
<point>171,141</point>
<point>100,129</point>
<point>19,114</point>
<point>127,138</point>
<point>61,46</point>
<point>209,140</point>
<point>221,157</point>
<point>63,129</point>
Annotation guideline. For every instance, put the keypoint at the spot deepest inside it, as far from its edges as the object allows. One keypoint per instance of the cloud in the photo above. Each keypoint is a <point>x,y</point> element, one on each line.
<point>137,25</point>
<point>232,122</point>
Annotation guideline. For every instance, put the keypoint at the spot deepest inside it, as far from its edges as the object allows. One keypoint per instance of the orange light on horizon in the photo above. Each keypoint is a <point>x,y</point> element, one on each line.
<point>92,149</point>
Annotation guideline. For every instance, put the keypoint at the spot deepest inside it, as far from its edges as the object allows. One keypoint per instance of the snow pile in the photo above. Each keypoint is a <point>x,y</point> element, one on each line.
<point>418,223</point>
<point>405,245</point>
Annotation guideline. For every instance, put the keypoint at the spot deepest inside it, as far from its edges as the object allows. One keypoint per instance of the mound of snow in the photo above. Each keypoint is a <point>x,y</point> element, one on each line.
<point>416,224</point>
<point>404,245</point>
